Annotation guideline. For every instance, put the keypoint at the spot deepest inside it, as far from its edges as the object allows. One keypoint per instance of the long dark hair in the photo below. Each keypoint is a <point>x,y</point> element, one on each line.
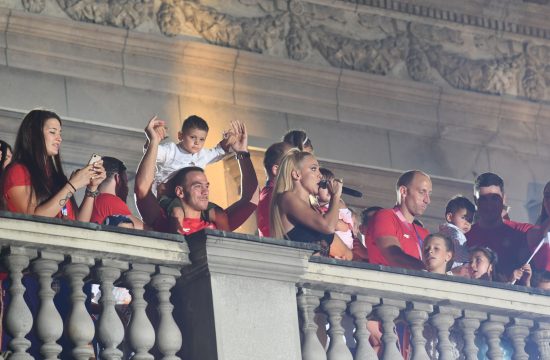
<point>4,147</point>
<point>47,176</point>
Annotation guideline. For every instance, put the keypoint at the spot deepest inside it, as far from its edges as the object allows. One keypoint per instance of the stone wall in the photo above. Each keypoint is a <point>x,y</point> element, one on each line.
<point>454,89</point>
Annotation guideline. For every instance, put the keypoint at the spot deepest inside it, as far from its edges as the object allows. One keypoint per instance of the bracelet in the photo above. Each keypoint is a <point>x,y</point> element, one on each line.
<point>71,185</point>
<point>90,193</point>
<point>240,155</point>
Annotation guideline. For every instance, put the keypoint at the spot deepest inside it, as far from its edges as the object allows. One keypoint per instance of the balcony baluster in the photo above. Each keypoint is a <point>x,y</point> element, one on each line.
<point>442,320</point>
<point>493,329</point>
<point>360,308</point>
<point>308,301</point>
<point>469,324</point>
<point>335,305</point>
<point>417,315</point>
<point>388,311</point>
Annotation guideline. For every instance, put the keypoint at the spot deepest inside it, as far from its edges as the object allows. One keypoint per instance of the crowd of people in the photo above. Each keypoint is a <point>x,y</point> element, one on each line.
<point>300,202</point>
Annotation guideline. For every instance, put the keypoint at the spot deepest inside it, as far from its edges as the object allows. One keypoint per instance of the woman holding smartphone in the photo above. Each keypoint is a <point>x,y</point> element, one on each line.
<point>34,183</point>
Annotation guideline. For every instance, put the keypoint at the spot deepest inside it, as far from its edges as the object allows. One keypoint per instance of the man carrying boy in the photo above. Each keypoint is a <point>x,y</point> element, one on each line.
<point>191,188</point>
<point>393,237</point>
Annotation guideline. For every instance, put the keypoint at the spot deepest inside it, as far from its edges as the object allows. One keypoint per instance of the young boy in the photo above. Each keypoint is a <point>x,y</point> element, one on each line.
<point>459,215</point>
<point>189,151</point>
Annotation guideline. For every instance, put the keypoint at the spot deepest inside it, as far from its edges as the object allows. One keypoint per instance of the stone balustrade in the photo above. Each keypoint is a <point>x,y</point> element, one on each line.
<point>230,296</point>
<point>445,317</point>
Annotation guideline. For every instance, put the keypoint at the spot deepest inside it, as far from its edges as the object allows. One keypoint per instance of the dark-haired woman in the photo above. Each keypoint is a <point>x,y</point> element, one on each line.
<point>5,155</point>
<point>34,183</point>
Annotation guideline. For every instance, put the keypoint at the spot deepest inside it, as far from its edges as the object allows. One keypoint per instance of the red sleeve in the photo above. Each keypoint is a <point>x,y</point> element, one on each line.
<point>16,175</point>
<point>385,223</point>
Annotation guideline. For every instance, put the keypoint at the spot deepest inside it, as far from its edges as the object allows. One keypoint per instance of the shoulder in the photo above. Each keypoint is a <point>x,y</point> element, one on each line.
<point>16,174</point>
<point>522,227</point>
<point>384,215</point>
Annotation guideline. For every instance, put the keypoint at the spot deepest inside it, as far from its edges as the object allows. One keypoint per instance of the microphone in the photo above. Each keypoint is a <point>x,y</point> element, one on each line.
<point>345,190</point>
<point>351,192</point>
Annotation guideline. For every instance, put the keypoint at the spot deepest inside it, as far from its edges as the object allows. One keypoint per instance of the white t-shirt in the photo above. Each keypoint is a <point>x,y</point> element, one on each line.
<point>171,158</point>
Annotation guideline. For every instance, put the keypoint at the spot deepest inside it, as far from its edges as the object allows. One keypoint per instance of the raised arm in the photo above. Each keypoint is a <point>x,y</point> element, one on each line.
<point>302,212</point>
<point>241,210</point>
<point>145,200</point>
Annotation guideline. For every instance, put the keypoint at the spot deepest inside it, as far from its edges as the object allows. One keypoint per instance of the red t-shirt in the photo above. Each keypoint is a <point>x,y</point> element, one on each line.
<point>18,175</point>
<point>107,205</point>
<point>508,240</point>
<point>190,226</point>
<point>386,223</point>
<point>263,210</point>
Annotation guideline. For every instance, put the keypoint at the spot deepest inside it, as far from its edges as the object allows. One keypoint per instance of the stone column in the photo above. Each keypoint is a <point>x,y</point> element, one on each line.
<point>18,315</point>
<point>442,320</point>
<point>518,331</point>
<point>110,328</point>
<point>360,308</point>
<point>308,301</point>
<point>81,328</point>
<point>49,324</point>
<point>541,336</point>
<point>469,323</point>
<point>388,311</point>
<point>493,329</point>
<point>168,334</point>
<point>140,331</point>
<point>416,315</point>
<point>335,305</point>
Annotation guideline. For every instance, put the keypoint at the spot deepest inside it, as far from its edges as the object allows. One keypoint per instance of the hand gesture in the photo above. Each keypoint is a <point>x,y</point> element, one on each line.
<point>238,136</point>
<point>98,175</point>
<point>334,187</point>
<point>155,130</point>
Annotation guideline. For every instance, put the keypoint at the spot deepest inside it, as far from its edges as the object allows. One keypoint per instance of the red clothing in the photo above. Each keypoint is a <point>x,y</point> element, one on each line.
<point>509,241</point>
<point>107,205</point>
<point>18,175</point>
<point>263,211</point>
<point>190,226</point>
<point>386,223</point>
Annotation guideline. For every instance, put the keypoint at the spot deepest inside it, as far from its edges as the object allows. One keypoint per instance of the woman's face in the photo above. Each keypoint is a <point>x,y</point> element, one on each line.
<point>310,175</point>
<point>479,265</point>
<point>52,136</point>
<point>546,199</point>
<point>7,161</point>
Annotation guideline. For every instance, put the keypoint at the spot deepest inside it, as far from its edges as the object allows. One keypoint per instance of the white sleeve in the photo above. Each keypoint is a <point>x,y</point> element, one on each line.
<point>162,153</point>
<point>214,154</point>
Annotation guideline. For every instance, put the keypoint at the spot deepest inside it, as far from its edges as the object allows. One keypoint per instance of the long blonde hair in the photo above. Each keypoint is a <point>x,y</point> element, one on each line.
<point>283,183</point>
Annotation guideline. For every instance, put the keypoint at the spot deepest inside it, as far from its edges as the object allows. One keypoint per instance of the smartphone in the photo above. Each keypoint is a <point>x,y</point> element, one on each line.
<point>94,158</point>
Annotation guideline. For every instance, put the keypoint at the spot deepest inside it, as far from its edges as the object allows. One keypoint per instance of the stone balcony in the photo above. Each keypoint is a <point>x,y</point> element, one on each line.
<point>218,295</point>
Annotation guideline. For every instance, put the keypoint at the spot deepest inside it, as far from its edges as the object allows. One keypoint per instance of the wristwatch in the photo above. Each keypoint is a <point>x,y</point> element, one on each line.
<point>239,155</point>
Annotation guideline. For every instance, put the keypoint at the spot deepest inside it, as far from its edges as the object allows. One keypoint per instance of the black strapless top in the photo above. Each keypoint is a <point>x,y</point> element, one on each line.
<point>306,234</point>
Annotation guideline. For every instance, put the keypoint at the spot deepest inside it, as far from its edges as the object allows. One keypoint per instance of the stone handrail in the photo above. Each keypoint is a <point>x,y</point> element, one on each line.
<point>452,307</point>
<point>71,254</point>
<point>230,296</point>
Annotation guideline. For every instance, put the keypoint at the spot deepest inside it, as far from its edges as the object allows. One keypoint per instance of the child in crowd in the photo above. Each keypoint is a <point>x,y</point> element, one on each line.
<point>541,280</point>
<point>483,261</point>
<point>345,218</point>
<point>298,139</point>
<point>459,215</point>
<point>189,151</point>
<point>438,251</point>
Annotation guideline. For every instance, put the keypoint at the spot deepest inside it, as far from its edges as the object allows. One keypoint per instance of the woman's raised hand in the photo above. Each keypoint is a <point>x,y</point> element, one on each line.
<point>91,175</point>
<point>98,175</point>
<point>334,187</point>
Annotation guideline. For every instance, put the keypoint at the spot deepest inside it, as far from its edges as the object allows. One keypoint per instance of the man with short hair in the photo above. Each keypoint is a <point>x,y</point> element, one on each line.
<point>113,191</point>
<point>272,159</point>
<point>506,238</point>
<point>393,236</point>
<point>191,187</point>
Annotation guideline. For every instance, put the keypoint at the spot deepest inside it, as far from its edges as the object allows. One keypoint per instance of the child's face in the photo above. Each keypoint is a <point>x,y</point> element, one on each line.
<point>479,265</point>
<point>436,255</point>
<point>192,140</point>
<point>460,219</point>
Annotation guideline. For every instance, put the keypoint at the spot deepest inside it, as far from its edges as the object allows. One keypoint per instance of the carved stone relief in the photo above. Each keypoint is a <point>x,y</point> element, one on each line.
<point>126,14</point>
<point>341,37</point>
